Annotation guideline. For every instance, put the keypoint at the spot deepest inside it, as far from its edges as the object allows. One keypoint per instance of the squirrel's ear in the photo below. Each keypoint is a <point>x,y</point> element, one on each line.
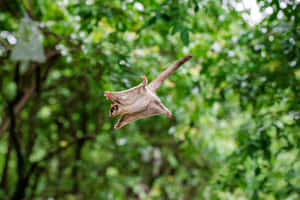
<point>111,105</point>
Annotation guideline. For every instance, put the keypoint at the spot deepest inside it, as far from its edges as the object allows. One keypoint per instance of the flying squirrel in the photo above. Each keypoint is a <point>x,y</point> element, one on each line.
<point>140,101</point>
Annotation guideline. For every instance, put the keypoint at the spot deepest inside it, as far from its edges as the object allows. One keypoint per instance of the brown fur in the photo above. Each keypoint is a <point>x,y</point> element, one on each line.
<point>141,101</point>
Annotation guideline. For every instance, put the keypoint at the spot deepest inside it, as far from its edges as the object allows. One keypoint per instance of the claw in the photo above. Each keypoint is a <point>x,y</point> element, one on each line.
<point>107,94</point>
<point>144,79</point>
<point>116,126</point>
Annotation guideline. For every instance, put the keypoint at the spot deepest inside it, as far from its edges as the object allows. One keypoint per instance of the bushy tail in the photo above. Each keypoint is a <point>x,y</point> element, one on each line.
<point>155,84</point>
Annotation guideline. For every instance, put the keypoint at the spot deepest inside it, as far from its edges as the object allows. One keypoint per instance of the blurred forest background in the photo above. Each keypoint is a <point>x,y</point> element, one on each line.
<point>236,105</point>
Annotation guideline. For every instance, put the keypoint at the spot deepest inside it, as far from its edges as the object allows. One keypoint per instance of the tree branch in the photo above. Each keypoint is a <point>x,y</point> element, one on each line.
<point>21,183</point>
<point>17,108</point>
<point>3,183</point>
<point>28,93</point>
<point>61,148</point>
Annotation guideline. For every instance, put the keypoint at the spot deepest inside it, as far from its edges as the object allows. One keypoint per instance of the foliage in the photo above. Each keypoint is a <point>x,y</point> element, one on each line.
<point>236,105</point>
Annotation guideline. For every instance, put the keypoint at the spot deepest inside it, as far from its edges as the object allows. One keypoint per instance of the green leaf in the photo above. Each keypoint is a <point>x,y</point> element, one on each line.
<point>176,29</point>
<point>184,35</point>
<point>196,8</point>
<point>10,90</point>
<point>172,160</point>
<point>151,21</point>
